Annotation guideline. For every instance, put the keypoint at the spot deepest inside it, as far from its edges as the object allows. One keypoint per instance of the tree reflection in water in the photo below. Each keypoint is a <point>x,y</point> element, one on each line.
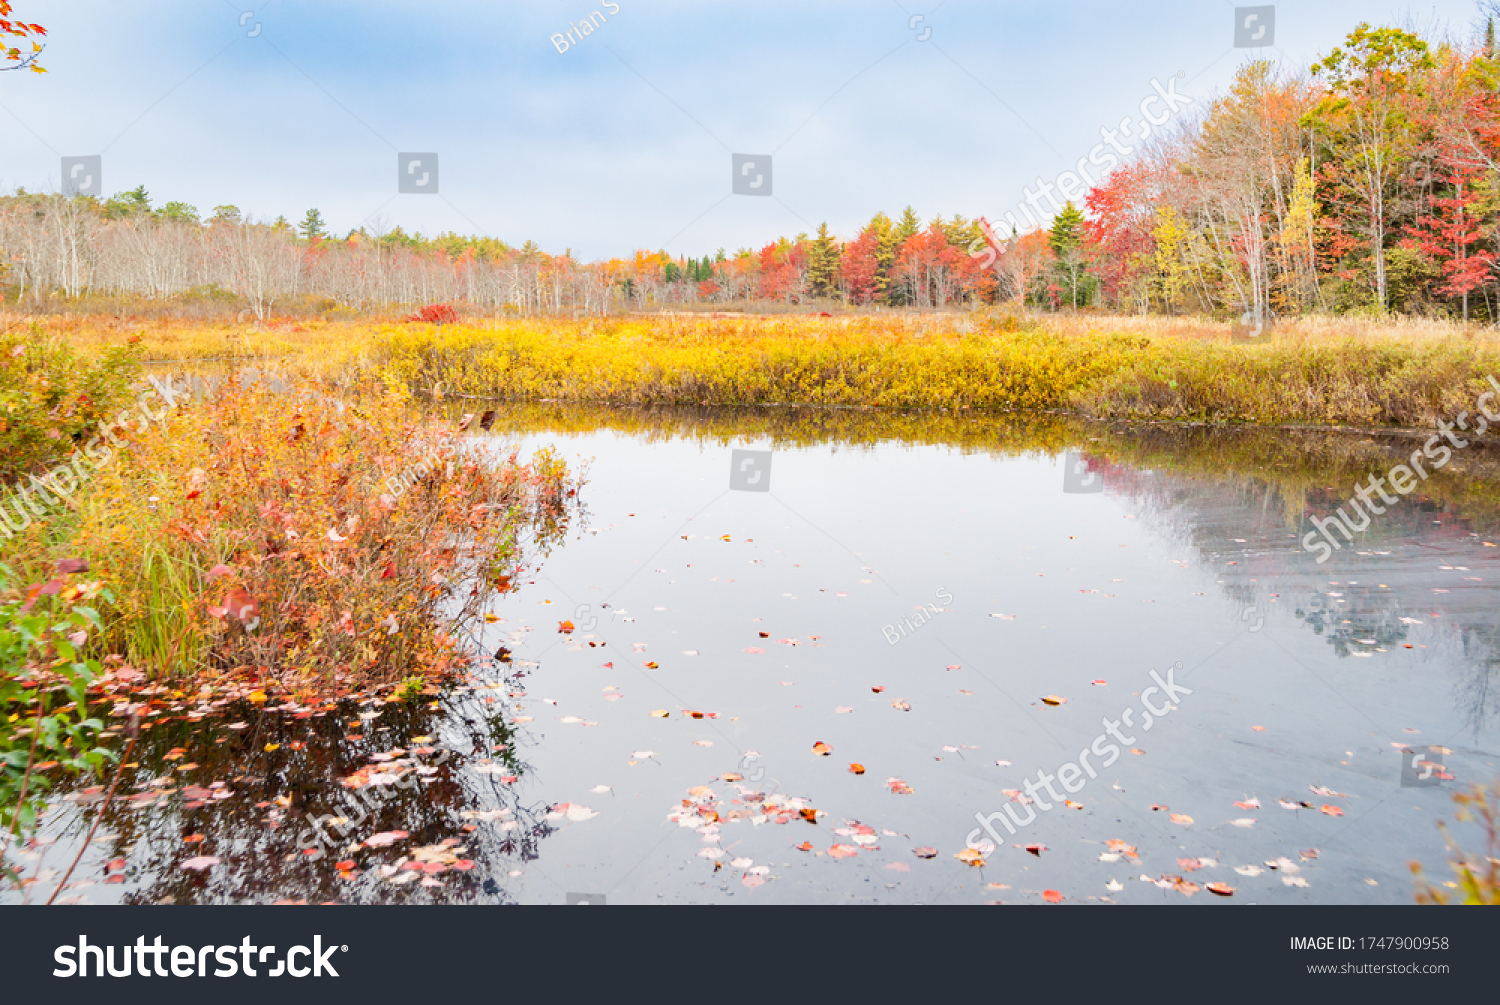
<point>289,821</point>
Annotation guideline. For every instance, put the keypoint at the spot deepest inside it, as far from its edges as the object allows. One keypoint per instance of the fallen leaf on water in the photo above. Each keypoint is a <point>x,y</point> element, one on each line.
<point>925,851</point>
<point>1293,881</point>
<point>1249,870</point>
<point>901,705</point>
<point>898,787</point>
<point>1114,887</point>
<point>954,666</point>
<point>1116,845</point>
<point>732,776</point>
<point>1099,683</point>
<point>1181,818</point>
<point>1253,803</point>
<point>843,851</point>
<point>652,665</point>
<point>661,713</point>
<point>1259,729</point>
<point>822,748</point>
<point>1037,849</point>
<point>1161,807</point>
<point>970,856</point>
<point>1136,750</point>
<point>1052,896</point>
<point>843,708</point>
<point>1189,864</point>
<point>1332,811</point>
<point>1220,889</point>
<point>877,688</point>
<point>804,846</point>
<point>200,863</point>
<point>856,769</point>
<point>1243,822</point>
<point>1052,699</point>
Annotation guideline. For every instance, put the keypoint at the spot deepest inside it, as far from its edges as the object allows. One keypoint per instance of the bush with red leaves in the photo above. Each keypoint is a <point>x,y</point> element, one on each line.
<point>436,314</point>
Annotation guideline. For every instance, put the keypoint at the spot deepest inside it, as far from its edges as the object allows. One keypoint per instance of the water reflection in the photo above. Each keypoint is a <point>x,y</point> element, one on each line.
<point>1232,501</point>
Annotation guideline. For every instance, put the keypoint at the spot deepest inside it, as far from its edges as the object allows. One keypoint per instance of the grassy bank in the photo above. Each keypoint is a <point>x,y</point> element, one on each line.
<point>1356,373</point>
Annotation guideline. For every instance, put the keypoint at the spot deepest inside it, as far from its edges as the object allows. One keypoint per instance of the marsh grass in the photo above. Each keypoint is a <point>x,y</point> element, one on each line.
<point>1349,371</point>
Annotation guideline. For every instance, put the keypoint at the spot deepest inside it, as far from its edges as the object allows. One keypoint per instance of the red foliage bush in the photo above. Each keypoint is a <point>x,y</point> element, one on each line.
<point>436,314</point>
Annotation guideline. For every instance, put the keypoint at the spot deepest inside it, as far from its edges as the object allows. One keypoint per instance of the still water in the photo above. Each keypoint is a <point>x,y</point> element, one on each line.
<point>791,658</point>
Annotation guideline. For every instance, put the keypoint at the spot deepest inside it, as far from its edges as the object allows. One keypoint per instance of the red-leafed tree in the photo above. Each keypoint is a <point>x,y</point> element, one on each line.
<point>859,266</point>
<point>783,270</point>
<point>1121,222</point>
<point>1453,234</point>
<point>14,30</point>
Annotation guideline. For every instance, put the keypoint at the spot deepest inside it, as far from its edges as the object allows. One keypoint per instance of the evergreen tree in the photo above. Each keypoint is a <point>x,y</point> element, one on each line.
<point>823,263</point>
<point>910,226</point>
<point>885,254</point>
<point>1066,240</point>
<point>313,226</point>
<point>136,201</point>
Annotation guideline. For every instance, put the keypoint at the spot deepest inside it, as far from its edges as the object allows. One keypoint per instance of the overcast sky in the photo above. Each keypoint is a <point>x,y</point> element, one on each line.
<point>624,140</point>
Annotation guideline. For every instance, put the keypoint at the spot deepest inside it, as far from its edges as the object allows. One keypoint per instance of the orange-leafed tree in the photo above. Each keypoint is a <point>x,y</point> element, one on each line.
<point>10,30</point>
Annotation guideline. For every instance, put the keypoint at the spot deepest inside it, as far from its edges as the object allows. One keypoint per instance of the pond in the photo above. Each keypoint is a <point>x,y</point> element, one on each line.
<point>797,656</point>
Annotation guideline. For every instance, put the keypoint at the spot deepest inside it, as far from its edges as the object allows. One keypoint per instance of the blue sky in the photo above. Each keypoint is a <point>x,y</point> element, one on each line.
<point>624,140</point>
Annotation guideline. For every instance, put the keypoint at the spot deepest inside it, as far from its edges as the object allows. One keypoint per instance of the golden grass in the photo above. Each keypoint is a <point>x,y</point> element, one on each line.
<point>1402,371</point>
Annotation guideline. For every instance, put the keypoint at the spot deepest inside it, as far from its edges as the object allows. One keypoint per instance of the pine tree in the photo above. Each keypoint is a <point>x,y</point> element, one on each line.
<point>885,254</point>
<point>1066,240</point>
<point>822,263</point>
<point>313,226</point>
<point>910,226</point>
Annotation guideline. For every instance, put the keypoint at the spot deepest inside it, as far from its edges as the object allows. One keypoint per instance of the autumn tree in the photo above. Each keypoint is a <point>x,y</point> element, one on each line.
<point>10,29</point>
<point>1364,123</point>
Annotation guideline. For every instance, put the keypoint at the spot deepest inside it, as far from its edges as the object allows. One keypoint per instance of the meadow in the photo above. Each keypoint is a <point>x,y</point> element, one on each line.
<point>1321,371</point>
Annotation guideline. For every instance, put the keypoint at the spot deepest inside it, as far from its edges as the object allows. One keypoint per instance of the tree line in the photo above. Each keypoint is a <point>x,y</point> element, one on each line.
<point>1368,182</point>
